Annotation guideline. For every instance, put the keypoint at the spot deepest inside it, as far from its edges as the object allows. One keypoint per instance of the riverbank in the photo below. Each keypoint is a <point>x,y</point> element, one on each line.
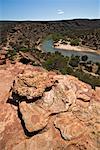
<point>75,48</point>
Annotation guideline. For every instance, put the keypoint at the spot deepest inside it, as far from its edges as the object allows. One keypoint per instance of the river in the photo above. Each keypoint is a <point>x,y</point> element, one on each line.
<point>47,46</point>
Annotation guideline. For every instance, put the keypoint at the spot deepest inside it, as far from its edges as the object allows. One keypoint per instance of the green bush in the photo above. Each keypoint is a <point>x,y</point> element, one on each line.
<point>56,61</point>
<point>74,42</point>
<point>84,58</point>
<point>11,54</point>
<point>56,37</point>
<point>87,78</point>
<point>24,49</point>
<point>74,61</point>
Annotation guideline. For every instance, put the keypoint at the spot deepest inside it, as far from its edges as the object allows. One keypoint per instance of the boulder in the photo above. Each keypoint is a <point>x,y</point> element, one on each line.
<point>33,84</point>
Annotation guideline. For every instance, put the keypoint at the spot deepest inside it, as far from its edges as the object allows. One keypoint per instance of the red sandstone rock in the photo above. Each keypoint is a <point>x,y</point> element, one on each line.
<point>35,117</point>
<point>11,132</point>
<point>33,84</point>
<point>98,92</point>
<point>6,82</point>
<point>53,101</point>
<point>69,126</point>
<point>38,142</point>
<point>64,112</point>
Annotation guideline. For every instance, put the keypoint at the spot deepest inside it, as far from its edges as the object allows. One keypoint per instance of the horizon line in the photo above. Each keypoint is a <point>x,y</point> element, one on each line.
<point>13,20</point>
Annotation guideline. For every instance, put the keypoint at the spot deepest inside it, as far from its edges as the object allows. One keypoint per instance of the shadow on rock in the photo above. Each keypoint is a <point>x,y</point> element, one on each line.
<point>27,133</point>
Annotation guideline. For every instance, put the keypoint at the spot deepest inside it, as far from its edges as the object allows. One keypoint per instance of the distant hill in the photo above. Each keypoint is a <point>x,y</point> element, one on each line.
<point>27,33</point>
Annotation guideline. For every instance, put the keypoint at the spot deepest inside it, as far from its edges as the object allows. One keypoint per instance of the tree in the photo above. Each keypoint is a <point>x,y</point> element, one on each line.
<point>74,61</point>
<point>55,61</point>
<point>84,58</point>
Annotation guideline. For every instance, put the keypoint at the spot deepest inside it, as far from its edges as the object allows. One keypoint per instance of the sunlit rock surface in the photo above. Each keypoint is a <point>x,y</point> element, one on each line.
<point>41,110</point>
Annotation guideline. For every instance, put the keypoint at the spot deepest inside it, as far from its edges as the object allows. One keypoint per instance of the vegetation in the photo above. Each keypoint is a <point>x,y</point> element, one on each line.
<point>74,61</point>
<point>55,62</point>
<point>70,66</point>
<point>74,42</point>
<point>92,80</point>
<point>11,54</point>
<point>84,58</point>
<point>24,49</point>
<point>56,37</point>
<point>70,32</point>
<point>73,65</point>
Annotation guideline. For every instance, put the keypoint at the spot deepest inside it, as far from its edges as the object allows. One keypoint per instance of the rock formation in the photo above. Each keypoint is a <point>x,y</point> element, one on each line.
<point>41,110</point>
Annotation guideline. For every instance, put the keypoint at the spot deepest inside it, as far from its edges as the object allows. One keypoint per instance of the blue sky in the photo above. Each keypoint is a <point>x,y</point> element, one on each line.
<point>48,9</point>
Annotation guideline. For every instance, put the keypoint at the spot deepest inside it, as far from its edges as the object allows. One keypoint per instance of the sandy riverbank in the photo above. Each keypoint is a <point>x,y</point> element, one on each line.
<point>75,48</point>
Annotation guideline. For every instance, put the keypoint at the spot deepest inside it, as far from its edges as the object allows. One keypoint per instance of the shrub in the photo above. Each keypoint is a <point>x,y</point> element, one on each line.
<point>11,54</point>
<point>56,61</point>
<point>84,58</point>
<point>74,61</point>
<point>74,42</point>
<point>87,78</point>
<point>24,49</point>
<point>56,37</point>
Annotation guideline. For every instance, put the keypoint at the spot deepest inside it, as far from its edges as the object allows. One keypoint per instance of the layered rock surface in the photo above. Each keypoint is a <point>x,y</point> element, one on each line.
<point>41,110</point>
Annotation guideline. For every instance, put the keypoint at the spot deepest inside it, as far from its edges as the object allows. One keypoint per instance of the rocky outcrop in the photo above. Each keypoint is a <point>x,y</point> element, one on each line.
<point>33,84</point>
<point>41,110</point>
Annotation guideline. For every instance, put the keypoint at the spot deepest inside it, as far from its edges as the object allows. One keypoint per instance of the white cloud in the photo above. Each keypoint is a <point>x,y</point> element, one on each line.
<point>60,12</point>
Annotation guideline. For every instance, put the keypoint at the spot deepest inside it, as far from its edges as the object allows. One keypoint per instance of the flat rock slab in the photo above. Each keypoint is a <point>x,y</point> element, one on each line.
<point>35,118</point>
<point>6,82</point>
<point>69,126</point>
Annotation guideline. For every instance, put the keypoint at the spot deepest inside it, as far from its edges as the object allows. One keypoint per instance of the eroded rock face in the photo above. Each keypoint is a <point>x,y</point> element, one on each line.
<point>41,110</point>
<point>35,117</point>
<point>69,126</point>
<point>38,142</point>
<point>6,82</point>
<point>11,132</point>
<point>34,84</point>
<point>98,92</point>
